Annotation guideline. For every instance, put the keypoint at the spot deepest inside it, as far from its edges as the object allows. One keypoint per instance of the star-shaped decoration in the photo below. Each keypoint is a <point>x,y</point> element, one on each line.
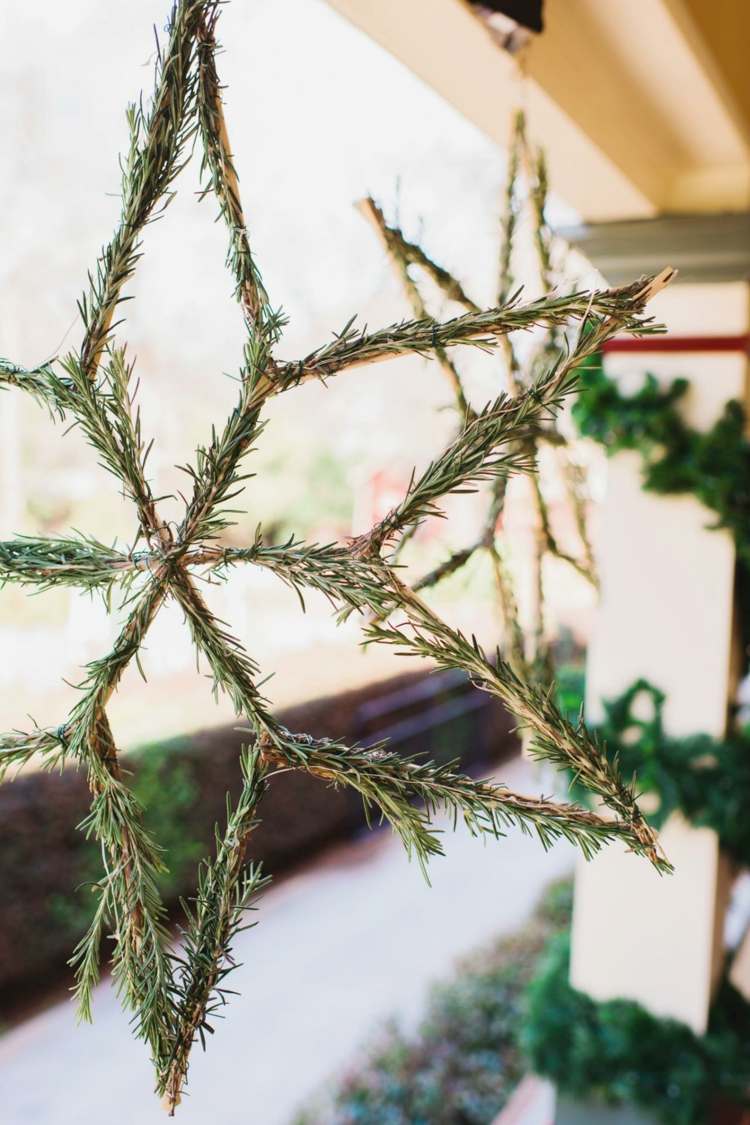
<point>171,994</point>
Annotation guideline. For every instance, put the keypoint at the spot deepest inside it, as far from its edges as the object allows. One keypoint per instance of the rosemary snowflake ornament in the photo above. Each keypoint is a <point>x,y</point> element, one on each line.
<point>172,991</point>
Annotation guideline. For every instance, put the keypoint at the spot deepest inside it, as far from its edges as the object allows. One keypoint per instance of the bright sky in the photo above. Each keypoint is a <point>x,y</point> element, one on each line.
<point>318,115</point>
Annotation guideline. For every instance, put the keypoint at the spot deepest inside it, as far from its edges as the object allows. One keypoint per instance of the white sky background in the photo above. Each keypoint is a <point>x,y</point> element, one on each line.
<point>318,116</point>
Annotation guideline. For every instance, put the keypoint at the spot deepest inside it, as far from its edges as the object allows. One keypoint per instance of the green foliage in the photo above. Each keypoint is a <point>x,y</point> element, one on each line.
<point>328,500</point>
<point>617,1052</point>
<point>462,1063</point>
<point>461,1067</point>
<point>164,785</point>
<point>706,779</point>
<point>714,466</point>
<point>166,788</point>
<point>570,683</point>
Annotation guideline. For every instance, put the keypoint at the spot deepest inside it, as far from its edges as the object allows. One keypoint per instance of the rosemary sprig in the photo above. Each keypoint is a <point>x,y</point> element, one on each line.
<point>129,902</point>
<point>391,783</point>
<point>403,254</point>
<point>41,382</point>
<point>554,739</point>
<point>226,889</point>
<point>72,561</point>
<point>352,348</point>
<point>159,138</point>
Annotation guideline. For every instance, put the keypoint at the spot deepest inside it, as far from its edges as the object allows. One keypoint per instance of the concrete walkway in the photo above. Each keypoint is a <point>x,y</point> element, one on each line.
<point>351,940</point>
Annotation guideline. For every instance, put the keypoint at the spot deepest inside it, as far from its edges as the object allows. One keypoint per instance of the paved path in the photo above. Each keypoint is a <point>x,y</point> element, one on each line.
<point>347,942</point>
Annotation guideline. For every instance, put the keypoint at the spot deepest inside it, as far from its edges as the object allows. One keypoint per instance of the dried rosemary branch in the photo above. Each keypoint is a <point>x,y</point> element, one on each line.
<point>529,654</point>
<point>170,994</point>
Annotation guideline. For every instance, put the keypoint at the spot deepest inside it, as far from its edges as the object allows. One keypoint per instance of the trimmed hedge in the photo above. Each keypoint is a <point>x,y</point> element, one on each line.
<point>511,1008</point>
<point>463,1062</point>
<point>47,866</point>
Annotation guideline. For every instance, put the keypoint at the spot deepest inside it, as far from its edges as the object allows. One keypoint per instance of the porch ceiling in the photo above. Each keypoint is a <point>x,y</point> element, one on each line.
<point>643,108</point>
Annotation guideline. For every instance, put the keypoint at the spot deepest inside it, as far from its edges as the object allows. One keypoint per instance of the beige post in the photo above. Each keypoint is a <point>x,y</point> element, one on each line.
<point>666,614</point>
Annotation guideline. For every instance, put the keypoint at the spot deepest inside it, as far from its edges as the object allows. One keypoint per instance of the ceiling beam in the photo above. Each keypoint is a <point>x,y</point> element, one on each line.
<point>702,248</point>
<point>644,84</point>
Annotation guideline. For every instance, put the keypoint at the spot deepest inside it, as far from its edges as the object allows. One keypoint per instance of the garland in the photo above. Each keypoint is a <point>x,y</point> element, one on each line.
<point>713,465</point>
<point>617,1052</point>
<point>706,779</point>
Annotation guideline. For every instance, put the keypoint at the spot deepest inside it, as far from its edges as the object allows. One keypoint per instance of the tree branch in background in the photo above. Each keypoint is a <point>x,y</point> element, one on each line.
<point>532,652</point>
<point>402,255</point>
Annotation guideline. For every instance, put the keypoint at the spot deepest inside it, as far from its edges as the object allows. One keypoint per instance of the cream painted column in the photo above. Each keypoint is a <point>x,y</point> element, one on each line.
<point>666,614</point>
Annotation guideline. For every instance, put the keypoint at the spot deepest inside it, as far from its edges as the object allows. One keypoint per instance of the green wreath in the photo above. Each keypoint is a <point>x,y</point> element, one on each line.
<point>617,1052</point>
